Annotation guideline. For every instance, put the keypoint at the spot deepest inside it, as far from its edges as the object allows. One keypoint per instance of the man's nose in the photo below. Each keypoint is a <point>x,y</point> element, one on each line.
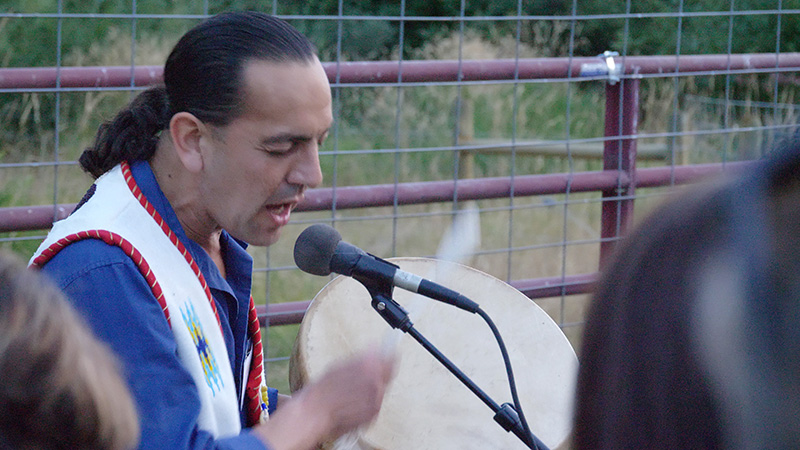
<point>306,170</point>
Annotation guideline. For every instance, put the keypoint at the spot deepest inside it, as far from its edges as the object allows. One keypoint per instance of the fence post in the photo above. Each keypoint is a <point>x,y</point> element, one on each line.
<point>466,136</point>
<point>622,119</point>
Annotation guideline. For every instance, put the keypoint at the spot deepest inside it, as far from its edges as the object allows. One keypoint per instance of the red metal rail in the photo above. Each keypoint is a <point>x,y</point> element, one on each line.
<point>382,72</point>
<point>27,218</point>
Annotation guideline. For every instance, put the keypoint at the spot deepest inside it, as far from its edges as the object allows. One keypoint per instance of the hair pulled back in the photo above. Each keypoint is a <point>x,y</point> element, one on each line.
<point>202,76</point>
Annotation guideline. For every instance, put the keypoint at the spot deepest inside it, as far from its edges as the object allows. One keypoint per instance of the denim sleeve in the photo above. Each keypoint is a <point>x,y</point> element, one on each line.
<point>105,286</point>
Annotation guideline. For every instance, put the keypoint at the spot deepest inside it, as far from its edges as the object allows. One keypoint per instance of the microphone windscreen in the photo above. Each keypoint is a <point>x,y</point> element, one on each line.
<point>315,247</point>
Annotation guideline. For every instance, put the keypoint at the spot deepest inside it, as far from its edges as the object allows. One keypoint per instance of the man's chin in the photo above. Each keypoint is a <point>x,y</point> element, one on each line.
<point>268,238</point>
<point>259,238</point>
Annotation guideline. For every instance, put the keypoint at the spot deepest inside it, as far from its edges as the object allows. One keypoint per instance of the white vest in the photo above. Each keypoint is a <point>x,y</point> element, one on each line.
<point>116,216</point>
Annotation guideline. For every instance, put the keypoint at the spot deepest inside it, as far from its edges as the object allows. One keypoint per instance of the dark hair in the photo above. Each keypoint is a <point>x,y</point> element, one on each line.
<point>691,340</point>
<point>639,381</point>
<point>61,388</point>
<point>203,76</point>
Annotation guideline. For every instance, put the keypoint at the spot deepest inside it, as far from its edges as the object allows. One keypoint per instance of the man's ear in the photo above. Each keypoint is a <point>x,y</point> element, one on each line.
<point>189,134</point>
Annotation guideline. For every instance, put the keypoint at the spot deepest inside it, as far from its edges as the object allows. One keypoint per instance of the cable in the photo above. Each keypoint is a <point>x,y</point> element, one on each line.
<point>509,371</point>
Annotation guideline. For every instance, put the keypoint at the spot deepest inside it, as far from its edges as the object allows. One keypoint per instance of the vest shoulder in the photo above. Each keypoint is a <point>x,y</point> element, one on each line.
<point>86,255</point>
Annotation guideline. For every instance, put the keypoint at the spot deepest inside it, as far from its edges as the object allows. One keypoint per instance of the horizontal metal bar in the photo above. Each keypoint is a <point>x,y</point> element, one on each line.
<point>26,218</point>
<point>663,176</point>
<point>507,69</point>
<point>592,150</point>
<point>282,313</point>
<point>379,72</point>
<point>83,77</point>
<point>556,286</point>
<point>441,18</point>
<point>351,197</point>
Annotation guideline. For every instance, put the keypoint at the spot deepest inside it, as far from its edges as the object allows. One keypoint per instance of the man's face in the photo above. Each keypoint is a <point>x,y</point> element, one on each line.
<point>257,167</point>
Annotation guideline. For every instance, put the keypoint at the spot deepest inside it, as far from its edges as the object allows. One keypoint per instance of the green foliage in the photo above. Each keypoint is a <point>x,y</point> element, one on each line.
<point>372,37</point>
<point>702,34</point>
<point>657,35</point>
<point>28,120</point>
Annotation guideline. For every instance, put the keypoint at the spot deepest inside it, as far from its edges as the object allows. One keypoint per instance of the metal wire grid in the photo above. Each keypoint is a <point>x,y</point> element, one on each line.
<point>514,206</point>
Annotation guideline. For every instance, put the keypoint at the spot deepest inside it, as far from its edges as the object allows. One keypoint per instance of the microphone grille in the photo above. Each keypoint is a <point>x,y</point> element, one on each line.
<point>315,247</point>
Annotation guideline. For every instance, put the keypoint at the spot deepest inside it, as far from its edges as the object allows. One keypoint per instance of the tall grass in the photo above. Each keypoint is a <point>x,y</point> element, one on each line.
<point>30,138</point>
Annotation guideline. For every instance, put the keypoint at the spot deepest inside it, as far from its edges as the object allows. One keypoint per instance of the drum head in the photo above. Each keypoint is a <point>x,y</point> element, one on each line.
<point>427,407</point>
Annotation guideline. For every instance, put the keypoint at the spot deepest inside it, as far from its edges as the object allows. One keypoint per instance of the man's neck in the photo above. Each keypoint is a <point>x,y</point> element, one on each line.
<point>179,187</point>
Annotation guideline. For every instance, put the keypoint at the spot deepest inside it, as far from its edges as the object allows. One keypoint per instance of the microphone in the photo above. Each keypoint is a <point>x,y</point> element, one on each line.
<point>320,250</point>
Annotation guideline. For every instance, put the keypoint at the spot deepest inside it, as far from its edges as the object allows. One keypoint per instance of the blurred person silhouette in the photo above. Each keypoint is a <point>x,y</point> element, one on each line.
<point>60,387</point>
<point>693,337</point>
<point>155,255</point>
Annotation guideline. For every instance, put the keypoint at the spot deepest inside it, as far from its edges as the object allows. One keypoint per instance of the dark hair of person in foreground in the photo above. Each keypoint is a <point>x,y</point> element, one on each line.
<point>60,388</point>
<point>693,338</point>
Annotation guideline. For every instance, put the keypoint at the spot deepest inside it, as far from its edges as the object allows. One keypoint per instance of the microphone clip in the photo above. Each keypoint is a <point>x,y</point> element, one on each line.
<point>378,279</point>
<point>392,312</point>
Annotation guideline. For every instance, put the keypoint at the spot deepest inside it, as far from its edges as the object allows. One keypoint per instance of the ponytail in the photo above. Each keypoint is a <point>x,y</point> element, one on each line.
<point>132,135</point>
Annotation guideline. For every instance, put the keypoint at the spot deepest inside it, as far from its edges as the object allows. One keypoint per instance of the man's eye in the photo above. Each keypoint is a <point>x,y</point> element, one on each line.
<point>277,150</point>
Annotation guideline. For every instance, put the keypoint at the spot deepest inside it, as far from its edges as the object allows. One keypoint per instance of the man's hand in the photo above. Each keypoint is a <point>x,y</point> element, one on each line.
<point>347,396</point>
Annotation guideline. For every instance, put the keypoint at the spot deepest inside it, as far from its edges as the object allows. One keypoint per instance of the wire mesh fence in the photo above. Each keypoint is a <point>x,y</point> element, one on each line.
<point>552,119</point>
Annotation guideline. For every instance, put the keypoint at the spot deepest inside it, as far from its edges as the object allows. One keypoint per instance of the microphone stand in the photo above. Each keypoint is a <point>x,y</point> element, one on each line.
<point>397,317</point>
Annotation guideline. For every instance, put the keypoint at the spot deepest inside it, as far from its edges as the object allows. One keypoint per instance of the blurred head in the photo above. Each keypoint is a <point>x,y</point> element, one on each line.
<point>746,313</point>
<point>60,387</point>
<point>691,340</point>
